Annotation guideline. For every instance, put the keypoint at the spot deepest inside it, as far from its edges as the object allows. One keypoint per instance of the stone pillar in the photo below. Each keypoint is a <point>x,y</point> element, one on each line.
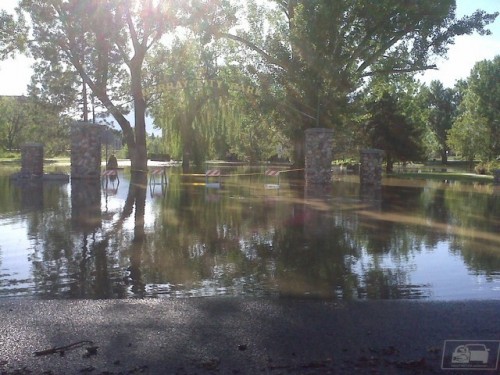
<point>319,142</point>
<point>370,177</point>
<point>85,151</point>
<point>370,173</point>
<point>32,160</point>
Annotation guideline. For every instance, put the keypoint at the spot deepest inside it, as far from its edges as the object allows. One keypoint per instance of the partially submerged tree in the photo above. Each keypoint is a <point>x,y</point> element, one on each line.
<point>191,102</point>
<point>314,55</point>
<point>105,43</point>
<point>207,109</point>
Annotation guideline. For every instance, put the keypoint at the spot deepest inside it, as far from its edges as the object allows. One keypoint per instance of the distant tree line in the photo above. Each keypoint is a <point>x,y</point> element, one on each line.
<point>23,119</point>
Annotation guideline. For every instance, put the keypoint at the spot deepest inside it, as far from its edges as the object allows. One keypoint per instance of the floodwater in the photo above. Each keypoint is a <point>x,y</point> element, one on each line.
<point>147,239</point>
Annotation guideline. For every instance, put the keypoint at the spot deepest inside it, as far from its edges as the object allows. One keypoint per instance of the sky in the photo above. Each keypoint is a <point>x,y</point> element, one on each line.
<point>467,50</point>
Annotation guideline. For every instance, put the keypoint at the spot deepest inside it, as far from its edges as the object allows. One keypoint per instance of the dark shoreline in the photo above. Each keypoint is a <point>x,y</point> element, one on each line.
<point>237,335</point>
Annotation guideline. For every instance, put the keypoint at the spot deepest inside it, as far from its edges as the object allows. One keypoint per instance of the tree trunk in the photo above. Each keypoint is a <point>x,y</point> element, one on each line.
<point>299,160</point>
<point>389,167</point>
<point>186,139</point>
<point>185,161</point>
<point>444,157</point>
<point>138,156</point>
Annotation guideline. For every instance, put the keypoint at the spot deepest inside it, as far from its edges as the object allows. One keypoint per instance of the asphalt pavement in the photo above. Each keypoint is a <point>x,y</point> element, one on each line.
<point>239,336</point>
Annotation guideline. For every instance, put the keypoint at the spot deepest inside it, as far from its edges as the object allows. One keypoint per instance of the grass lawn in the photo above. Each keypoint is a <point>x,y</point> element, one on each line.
<point>47,161</point>
<point>455,170</point>
<point>448,176</point>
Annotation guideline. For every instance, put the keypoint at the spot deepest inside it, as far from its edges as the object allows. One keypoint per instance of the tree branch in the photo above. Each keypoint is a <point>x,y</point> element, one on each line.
<point>374,56</point>
<point>399,70</point>
<point>270,59</point>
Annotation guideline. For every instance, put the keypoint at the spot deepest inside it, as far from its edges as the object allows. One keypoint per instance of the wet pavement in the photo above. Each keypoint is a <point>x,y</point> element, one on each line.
<point>236,336</point>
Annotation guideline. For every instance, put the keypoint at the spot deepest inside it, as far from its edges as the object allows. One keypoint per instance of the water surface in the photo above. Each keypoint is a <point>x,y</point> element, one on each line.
<point>113,239</point>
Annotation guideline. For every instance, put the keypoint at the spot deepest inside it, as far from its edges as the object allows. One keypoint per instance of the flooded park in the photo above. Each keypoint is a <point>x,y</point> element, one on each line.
<point>247,233</point>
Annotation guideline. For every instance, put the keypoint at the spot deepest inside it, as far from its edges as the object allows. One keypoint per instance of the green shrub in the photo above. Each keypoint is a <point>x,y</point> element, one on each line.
<point>492,165</point>
<point>9,155</point>
<point>480,168</point>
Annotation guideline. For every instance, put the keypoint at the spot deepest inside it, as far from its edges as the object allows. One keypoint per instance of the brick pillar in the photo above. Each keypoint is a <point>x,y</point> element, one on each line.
<point>319,156</point>
<point>85,151</point>
<point>32,160</point>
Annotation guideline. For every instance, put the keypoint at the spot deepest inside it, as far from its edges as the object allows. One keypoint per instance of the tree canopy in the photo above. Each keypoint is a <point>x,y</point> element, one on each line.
<point>309,60</point>
<point>13,35</point>
<point>96,40</point>
<point>318,53</point>
<point>390,130</point>
<point>23,119</point>
<point>476,130</point>
<point>441,107</point>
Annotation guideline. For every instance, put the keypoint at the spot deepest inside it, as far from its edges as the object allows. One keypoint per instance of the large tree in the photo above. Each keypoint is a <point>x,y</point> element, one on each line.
<point>13,34</point>
<point>476,130</point>
<point>485,84</point>
<point>105,43</point>
<point>390,130</point>
<point>190,107</point>
<point>441,106</point>
<point>207,109</point>
<point>314,55</point>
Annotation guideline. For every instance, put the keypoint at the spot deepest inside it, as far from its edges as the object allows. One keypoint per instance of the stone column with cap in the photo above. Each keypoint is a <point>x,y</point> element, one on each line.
<point>370,172</point>
<point>319,156</point>
<point>85,151</point>
<point>370,177</point>
<point>31,160</point>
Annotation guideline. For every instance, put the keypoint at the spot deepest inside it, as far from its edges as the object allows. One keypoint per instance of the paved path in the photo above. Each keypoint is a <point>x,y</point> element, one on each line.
<point>237,336</point>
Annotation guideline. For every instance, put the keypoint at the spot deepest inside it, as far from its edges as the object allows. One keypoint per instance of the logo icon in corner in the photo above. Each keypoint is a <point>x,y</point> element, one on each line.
<point>470,354</point>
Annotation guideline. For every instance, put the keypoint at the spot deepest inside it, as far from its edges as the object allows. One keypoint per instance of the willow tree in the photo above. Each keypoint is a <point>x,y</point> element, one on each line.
<point>315,55</point>
<point>207,109</point>
<point>190,108</point>
<point>105,43</point>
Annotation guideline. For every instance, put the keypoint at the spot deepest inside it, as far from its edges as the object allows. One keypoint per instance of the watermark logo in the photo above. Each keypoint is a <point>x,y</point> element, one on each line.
<point>470,355</point>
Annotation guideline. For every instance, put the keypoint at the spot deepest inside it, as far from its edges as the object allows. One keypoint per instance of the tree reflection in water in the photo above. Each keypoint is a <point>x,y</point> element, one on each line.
<point>244,240</point>
<point>137,197</point>
<point>83,260</point>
